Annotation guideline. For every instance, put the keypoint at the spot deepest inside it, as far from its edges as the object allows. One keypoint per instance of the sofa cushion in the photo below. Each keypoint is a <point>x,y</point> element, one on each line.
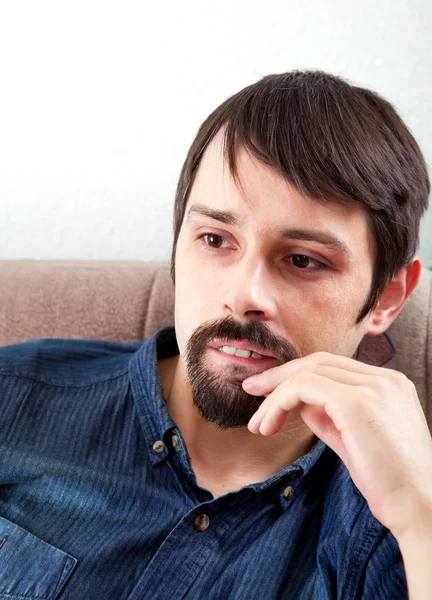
<point>130,300</point>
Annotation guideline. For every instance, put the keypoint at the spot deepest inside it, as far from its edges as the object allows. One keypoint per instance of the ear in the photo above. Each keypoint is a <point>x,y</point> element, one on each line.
<point>393,298</point>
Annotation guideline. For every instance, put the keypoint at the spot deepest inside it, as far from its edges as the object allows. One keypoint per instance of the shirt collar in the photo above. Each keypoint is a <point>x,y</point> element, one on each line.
<point>159,427</point>
<point>157,424</point>
<point>297,470</point>
<point>148,393</point>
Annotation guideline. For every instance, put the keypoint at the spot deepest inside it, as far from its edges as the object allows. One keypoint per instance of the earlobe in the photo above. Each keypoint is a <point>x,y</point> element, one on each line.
<point>393,298</point>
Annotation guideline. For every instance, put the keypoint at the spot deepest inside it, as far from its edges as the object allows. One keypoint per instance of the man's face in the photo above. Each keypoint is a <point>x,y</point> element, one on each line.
<point>260,267</point>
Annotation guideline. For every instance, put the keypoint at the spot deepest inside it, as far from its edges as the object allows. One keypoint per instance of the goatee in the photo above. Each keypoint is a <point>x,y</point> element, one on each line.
<point>217,391</point>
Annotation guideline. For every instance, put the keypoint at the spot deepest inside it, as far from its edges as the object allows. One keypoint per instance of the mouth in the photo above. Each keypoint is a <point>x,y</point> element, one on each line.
<point>244,352</point>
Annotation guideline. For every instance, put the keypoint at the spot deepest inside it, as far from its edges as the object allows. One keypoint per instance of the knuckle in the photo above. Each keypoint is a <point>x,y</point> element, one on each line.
<point>301,375</point>
<point>402,382</point>
<point>398,377</point>
<point>367,396</point>
<point>412,386</point>
<point>383,384</point>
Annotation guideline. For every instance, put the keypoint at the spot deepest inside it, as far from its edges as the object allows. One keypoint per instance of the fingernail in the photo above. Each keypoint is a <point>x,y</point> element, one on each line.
<point>253,422</point>
<point>250,379</point>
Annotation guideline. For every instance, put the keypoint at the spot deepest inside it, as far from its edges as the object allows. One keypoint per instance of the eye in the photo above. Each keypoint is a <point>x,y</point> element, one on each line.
<point>213,240</point>
<point>300,260</point>
<point>305,263</point>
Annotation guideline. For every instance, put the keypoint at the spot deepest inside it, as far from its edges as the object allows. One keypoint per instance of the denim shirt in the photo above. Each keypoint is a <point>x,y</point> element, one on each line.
<point>98,499</point>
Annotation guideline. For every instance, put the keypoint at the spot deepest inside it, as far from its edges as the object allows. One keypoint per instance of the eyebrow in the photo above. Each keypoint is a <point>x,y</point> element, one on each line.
<point>307,235</point>
<point>225,216</point>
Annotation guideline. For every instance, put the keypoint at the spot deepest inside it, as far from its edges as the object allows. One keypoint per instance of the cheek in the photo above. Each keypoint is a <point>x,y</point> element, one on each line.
<point>323,318</point>
<point>195,294</point>
<point>337,301</point>
<point>195,299</point>
<point>198,282</point>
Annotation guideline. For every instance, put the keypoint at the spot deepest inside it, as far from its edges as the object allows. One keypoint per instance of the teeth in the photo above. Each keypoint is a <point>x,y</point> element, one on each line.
<point>242,353</point>
<point>229,350</point>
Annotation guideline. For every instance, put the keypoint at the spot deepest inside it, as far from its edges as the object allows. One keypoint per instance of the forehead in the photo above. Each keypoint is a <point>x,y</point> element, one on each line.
<point>263,199</point>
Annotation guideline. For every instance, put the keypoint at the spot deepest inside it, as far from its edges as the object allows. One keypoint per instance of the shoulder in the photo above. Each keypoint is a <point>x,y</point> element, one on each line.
<point>66,361</point>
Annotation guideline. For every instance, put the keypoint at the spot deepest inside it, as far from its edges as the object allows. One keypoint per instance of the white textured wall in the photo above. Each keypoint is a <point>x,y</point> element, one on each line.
<point>100,100</point>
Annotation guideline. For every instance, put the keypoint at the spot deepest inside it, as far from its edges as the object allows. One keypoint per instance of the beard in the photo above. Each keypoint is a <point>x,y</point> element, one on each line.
<point>217,391</point>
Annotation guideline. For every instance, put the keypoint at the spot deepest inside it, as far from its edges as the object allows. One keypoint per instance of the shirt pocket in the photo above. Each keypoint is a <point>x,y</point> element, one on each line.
<point>29,567</point>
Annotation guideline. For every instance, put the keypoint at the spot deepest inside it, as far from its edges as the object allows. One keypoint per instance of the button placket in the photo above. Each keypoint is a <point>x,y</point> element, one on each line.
<point>289,492</point>
<point>159,446</point>
<point>201,522</point>
<point>176,443</point>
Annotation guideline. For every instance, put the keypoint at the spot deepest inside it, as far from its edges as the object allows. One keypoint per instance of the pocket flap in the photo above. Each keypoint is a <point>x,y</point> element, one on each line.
<point>29,567</point>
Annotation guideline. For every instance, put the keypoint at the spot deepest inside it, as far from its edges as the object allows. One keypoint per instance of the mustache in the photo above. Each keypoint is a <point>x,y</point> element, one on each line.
<point>256,332</point>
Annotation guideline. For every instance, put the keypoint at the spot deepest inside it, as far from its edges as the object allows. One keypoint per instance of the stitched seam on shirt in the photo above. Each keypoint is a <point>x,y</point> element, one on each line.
<point>21,597</point>
<point>367,545</point>
<point>378,540</point>
<point>66,572</point>
<point>62,385</point>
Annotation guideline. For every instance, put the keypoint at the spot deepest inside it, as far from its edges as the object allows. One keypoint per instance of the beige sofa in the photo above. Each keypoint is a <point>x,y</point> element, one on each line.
<point>128,301</point>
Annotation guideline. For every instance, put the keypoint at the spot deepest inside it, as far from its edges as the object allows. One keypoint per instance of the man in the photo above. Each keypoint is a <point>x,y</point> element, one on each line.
<point>247,453</point>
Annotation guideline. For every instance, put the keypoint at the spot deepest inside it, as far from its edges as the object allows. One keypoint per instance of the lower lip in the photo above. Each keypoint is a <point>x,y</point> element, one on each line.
<point>250,362</point>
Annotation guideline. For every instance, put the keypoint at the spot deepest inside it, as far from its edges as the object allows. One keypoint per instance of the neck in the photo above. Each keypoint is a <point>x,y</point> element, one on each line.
<point>226,460</point>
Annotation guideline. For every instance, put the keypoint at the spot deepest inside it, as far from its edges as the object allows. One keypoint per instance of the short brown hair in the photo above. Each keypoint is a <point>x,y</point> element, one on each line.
<point>332,141</point>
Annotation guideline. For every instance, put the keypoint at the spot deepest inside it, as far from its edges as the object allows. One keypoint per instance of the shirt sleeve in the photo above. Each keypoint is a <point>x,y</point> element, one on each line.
<point>385,577</point>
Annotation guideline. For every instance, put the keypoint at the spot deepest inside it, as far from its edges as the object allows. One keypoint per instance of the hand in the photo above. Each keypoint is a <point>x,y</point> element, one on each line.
<point>370,416</point>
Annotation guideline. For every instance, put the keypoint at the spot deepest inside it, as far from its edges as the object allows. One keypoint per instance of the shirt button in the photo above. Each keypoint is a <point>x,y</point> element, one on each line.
<point>201,522</point>
<point>289,492</point>
<point>176,443</point>
<point>159,446</point>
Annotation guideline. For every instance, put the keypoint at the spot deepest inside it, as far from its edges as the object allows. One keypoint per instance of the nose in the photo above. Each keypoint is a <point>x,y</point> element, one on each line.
<point>250,293</point>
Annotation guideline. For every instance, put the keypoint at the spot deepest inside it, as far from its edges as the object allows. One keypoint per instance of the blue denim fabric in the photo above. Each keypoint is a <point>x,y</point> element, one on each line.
<point>90,510</point>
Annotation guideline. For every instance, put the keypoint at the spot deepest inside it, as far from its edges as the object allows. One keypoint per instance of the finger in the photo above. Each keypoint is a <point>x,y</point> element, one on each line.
<point>323,427</point>
<point>274,421</point>
<point>283,390</point>
<point>341,375</point>
<point>308,388</point>
<point>334,373</point>
<point>284,397</point>
<point>265,382</point>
